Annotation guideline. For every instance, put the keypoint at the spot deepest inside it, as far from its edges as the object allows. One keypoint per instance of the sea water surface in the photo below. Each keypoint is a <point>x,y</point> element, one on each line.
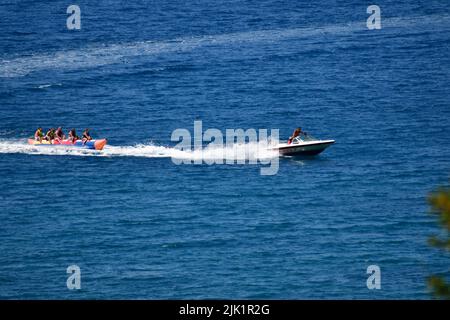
<point>141,227</point>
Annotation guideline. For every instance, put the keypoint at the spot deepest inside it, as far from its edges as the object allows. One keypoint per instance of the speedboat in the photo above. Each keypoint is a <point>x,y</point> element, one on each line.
<point>303,145</point>
<point>97,144</point>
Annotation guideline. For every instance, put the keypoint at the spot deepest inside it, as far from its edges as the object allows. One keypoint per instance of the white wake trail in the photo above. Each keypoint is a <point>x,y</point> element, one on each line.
<point>238,152</point>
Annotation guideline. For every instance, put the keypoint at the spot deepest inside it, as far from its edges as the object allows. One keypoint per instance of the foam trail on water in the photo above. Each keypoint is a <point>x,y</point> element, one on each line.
<point>44,86</point>
<point>239,152</point>
<point>236,151</point>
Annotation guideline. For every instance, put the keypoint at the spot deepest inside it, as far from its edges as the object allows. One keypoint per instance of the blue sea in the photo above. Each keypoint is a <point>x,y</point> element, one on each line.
<point>140,226</point>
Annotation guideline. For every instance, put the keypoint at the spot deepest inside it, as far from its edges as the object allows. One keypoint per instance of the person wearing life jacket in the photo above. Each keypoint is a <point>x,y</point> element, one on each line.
<point>73,136</point>
<point>50,135</point>
<point>38,135</point>
<point>86,136</point>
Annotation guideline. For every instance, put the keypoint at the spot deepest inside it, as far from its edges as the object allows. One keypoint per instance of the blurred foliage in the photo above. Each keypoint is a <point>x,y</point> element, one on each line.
<point>440,206</point>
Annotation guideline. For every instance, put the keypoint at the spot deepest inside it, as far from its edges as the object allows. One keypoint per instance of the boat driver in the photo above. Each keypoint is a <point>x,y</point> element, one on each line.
<point>296,133</point>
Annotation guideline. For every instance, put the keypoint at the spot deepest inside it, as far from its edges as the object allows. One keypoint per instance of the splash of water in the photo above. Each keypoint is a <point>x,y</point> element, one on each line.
<point>238,152</point>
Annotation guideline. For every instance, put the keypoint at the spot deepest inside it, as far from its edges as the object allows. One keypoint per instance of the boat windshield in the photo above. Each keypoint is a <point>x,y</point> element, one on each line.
<point>303,138</point>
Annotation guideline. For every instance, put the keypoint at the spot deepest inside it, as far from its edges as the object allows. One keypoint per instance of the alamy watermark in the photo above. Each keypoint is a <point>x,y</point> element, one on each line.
<point>374,20</point>
<point>236,146</point>
<point>374,280</point>
<point>74,280</point>
<point>73,22</point>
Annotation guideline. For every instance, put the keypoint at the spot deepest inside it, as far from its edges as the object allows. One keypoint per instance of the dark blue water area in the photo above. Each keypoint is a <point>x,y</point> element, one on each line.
<point>142,227</point>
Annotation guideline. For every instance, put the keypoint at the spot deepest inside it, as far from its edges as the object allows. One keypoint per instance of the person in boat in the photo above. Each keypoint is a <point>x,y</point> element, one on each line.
<point>296,133</point>
<point>59,134</point>
<point>50,135</point>
<point>86,136</point>
<point>73,136</point>
<point>38,135</point>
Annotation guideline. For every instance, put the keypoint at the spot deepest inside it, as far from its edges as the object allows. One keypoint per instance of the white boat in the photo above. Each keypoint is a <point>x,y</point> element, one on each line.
<point>303,145</point>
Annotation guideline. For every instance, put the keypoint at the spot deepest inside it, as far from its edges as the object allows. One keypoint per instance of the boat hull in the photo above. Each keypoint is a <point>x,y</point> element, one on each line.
<point>304,149</point>
<point>97,144</point>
